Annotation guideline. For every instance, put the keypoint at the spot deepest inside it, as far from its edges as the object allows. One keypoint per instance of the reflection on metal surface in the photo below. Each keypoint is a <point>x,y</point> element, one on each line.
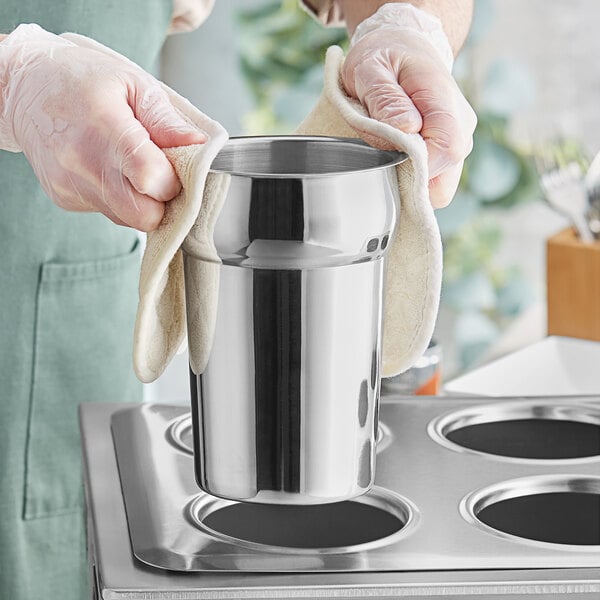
<point>444,557</point>
<point>525,431</point>
<point>284,409</point>
<point>157,481</point>
<point>422,379</point>
<point>180,434</point>
<point>289,157</point>
<point>376,519</point>
<point>543,510</point>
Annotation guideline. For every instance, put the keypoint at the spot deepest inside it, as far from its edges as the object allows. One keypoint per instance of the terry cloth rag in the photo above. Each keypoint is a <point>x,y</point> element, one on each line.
<point>414,260</point>
<point>160,327</point>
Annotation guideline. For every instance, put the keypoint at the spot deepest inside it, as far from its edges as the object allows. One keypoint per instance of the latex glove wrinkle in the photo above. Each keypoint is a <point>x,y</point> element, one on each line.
<point>396,71</point>
<point>91,125</point>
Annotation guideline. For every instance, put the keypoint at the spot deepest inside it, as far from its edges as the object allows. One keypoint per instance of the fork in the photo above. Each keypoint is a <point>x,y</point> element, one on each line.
<point>593,214</point>
<point>565,190</point>
<point>592,182</point>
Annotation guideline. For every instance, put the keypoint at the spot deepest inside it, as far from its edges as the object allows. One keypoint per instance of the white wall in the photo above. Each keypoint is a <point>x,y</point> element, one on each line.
<point>559,41</point>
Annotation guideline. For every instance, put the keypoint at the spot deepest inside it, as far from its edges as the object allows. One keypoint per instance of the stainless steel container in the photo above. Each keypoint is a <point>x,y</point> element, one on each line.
<point>286,409</point>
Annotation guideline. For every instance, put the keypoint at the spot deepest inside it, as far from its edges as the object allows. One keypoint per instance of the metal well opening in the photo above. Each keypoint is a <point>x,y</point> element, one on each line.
<point>547,509</point>
<point>375,519</point>
<point>524,430</point>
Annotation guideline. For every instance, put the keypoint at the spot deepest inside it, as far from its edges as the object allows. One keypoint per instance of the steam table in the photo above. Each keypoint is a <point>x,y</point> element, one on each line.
<point>117,574</point>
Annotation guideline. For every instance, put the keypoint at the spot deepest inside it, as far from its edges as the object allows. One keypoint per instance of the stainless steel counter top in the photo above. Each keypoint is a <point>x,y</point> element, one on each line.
<point>120,575</point>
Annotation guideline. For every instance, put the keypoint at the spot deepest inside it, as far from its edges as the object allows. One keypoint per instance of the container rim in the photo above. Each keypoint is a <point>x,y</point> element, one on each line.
<point>556,409</point>
<point>386,158</point>
<point>475,502</point>
<point>391,502</point>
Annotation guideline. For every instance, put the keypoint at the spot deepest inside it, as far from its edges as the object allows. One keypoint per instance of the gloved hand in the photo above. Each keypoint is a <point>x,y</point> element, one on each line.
<point>91,125</point>
<point>399,68</point>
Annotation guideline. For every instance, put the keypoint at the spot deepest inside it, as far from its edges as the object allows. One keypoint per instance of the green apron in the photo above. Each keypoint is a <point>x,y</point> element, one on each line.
<point>68,292</point>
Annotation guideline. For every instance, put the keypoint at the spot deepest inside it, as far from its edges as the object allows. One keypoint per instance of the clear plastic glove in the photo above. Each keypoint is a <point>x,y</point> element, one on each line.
<point>91,125</point>
<point>401,74</point>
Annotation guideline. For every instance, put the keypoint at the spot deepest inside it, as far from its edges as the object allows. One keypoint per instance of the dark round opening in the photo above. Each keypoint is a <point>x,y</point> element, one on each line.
<point>372,245</point>
<point>327,526</point>
<point>558,517</point>
<point>530,438</point>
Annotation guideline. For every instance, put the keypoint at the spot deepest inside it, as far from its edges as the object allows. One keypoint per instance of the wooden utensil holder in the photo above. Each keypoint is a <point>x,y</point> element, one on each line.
<point>573,286</point>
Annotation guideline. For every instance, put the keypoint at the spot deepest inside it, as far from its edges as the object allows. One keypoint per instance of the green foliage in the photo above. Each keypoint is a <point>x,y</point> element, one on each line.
<point>281,53</point>
<point>498,176</point>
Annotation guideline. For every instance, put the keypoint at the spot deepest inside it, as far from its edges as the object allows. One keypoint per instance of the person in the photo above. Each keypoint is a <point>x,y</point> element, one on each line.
<point>85,130</point>
<point>395,71</point>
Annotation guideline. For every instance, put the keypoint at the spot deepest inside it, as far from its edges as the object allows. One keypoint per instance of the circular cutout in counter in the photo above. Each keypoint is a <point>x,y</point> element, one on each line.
<point>557,518</point>
<point>180,434</point>
<point>523,430</point>
<point>555,509</point>
<point>544,439</point>
<point>372,520</point>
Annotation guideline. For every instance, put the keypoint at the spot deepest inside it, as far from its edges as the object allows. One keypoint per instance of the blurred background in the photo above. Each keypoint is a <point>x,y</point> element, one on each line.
<point>530,71</point>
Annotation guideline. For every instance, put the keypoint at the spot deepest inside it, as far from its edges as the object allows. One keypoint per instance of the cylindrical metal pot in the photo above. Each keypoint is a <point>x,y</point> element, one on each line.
<point>286,409</point>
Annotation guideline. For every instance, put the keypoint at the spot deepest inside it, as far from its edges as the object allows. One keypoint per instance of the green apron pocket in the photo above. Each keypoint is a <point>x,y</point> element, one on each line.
<point>83,339</point>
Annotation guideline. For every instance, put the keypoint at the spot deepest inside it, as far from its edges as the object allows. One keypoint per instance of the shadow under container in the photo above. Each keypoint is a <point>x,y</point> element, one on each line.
<point>285,411</point>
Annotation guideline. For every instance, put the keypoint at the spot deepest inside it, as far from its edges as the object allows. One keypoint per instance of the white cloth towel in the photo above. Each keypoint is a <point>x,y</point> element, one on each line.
<point>414,259</point>
<point>160,327</point>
